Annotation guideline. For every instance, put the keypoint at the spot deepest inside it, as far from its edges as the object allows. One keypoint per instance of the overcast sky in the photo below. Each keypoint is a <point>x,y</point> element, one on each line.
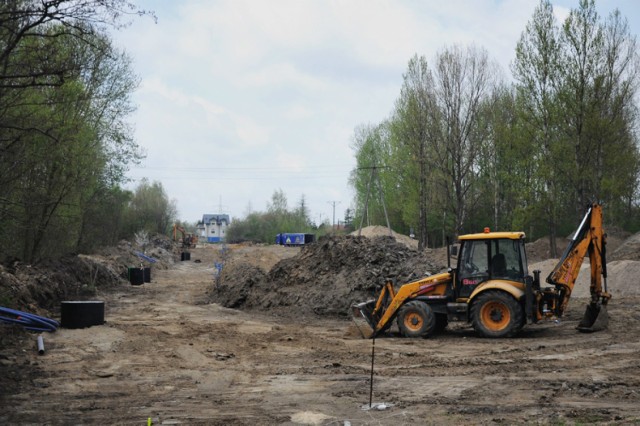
<point>240,98</point>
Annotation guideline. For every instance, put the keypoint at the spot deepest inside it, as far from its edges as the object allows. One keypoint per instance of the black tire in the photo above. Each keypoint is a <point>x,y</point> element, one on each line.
<point>441,323</point>
<point>416,319</point>
<point>496,313</point>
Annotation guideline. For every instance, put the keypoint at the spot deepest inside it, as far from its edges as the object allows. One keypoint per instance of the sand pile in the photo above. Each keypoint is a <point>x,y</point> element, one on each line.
<point>622,277</point>
<point>379,231</point>
<point>325,278</point>
<point>628,250</point>
<point>623,266</point>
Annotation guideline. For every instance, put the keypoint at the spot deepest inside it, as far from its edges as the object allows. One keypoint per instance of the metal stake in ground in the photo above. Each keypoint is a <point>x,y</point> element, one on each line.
<point>373,354</point>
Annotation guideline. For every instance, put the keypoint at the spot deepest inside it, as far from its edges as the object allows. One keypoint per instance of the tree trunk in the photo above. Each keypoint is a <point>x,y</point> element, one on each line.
<point>422,233</point>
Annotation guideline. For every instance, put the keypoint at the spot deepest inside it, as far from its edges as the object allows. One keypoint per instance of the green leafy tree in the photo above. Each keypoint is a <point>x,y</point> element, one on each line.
<point>150,209</point>
<point>59,158</point>
<point>103,219</point>
<point>536,68</point>
<point>413,131</point>
<point>462,149</point>
<point>375,178</point>
<point>597,90</point>
<point>264,226</point>
<point>64,92</point>
<point>576,85</point>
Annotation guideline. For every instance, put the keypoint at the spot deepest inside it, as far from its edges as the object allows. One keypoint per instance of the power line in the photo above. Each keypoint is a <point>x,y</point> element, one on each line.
<point>240,169</point>
<point>238,178</point>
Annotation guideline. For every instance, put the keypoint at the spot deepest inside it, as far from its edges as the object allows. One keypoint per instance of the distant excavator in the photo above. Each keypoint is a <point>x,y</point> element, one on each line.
<point>492,289</point>
<point>188,240</point>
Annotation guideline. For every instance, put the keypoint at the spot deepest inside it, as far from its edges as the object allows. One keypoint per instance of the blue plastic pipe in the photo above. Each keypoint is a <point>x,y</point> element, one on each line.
<point>27,320</point>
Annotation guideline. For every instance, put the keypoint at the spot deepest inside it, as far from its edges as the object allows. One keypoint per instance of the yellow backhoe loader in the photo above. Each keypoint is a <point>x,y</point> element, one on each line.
<point>491,287</point>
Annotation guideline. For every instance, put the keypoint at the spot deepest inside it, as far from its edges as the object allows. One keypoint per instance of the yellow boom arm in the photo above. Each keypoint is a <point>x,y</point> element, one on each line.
<point>589,239</point>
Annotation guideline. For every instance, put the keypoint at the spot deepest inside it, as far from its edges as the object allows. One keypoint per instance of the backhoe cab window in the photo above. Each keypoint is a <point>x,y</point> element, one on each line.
<point>475,261</point>
<point>483,259</point>
<point>505,260</point>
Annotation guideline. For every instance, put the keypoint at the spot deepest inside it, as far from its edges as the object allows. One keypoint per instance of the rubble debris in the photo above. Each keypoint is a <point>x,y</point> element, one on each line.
<point>40,287</point>
<point>324,278</point>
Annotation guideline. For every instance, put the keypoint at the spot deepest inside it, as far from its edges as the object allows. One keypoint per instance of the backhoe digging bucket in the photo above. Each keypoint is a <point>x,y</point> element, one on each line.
<point>363,318</point>
<point>596,318</point>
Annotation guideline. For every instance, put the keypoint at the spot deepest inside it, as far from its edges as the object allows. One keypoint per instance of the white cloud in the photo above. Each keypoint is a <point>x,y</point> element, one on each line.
<point>250,132</point>
<point>181,113</point>
<point>234,90</point>
<point>298,112</point>
<point>155,86</point>
<point>290,162</point>
<point>380,33</point>
<point>281,74</point>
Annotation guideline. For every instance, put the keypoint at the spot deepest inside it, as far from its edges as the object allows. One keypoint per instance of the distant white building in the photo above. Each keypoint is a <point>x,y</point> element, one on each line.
<point>213,227</point>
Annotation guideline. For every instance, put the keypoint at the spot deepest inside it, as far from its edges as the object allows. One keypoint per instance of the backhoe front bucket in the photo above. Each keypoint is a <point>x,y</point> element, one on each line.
<point>364,311</point>
<point>596,318</point>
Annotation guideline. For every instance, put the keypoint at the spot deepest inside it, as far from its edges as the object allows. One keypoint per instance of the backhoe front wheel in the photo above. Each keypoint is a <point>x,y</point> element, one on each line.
<point>496,314</point>
<point>416,319</point>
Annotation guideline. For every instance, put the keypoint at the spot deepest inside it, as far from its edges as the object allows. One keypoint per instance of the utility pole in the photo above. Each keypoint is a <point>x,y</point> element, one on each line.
<point>366,201</point>
<point>333,203</point>
<point>220,206</point>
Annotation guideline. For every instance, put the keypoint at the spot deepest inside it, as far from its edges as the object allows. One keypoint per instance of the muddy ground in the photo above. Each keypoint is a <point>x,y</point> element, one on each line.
<point>166,352</point>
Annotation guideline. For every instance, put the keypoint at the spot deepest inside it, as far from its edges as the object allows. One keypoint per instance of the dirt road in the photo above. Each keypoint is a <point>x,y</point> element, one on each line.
<point>166,354</point>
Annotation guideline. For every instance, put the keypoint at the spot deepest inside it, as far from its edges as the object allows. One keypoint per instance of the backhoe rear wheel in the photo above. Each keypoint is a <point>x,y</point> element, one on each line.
<point>496,313</point>
<point>416,319</point>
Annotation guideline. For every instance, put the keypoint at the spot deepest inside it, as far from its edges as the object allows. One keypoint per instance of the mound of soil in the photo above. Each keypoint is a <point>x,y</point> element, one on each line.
<point>627,250</point>
<point>623,264</point>
<point>621,277</point>
<point>123,256</point>
<point>379,231</point>
<point>40,287</point>
<point>237,283</point>
<point>539,250</point>
<point>325,278</point>
<point>620,246</point>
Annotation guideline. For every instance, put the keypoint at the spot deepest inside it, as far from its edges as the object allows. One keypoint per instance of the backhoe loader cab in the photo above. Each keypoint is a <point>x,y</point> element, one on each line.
<point>489,256</point>
<point>490,287</point>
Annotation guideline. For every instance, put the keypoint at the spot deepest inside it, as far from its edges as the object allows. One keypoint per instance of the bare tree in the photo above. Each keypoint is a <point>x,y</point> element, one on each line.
<point>463,79</point>
<point>24,20</point>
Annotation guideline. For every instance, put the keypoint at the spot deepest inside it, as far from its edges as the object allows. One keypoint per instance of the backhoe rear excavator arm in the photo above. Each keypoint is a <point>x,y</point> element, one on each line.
<point>589,239</point>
